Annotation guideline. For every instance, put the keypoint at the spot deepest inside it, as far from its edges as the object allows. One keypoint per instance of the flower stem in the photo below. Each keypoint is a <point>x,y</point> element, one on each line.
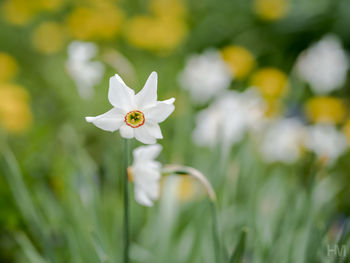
<point>126,202</point>
<point>215,229</point>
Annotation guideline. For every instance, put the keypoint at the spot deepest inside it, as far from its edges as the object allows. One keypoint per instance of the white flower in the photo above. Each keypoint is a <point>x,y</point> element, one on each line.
<point>227,119</point>
<point>85,73</point>
<point>134,115</point>
<point>205,75</point>
<point>326,142</point>
<point>324,65</point>
<point>282,141</point>
<point>146,173</point>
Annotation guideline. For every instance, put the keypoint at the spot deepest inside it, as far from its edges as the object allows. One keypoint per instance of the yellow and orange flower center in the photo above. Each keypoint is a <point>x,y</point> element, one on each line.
<point>134,119</point>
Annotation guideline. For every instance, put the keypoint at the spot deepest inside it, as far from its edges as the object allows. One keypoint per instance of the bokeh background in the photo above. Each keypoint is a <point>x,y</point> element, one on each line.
<point>262,94</point>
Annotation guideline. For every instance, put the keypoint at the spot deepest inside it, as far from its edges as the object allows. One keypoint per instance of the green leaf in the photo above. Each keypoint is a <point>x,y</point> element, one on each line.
<point>238,253</point>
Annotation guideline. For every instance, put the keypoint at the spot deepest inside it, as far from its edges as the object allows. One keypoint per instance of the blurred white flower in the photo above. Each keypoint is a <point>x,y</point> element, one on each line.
<point>85,73</point>
<point>134,115</point>
<point>326,142</point>
<point>227,119</point>
<point>205,75</point>
<point>324,65</point>
<point>282,141</point>
<point>146,173</point>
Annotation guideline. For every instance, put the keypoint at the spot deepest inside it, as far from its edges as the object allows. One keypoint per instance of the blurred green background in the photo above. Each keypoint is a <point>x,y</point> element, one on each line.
<point>60,177</point>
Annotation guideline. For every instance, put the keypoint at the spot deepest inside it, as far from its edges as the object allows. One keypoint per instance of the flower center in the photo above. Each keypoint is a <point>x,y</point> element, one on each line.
<point>129,173</point>
<point>134,119</point>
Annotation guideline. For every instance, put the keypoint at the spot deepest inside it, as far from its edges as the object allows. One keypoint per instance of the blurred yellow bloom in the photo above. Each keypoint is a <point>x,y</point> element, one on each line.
<point>325,110</point>
<point>98,23</point>
<point>15,112</point>
<point>271,9</point>
<point>346,130</point>
<point>18,12</point>
<point>49,37</point>
<point>49,5</point>
<point>271,82</point>
<point>155,33</point>
<point>8,67</point>
<point>187,188</point>
<point>239,60</point>
<point>21,12</point>
<point>173,8</point>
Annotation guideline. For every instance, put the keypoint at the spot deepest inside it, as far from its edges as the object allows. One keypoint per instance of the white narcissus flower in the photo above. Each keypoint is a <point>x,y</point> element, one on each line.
<point>146,173</point>
<point>227,119</point>
<point>134,115</point>
<point>85,73</point>
<point>326,142</point>
<point>324,65</point>
<point>205,75</point>
<point>282,141</point>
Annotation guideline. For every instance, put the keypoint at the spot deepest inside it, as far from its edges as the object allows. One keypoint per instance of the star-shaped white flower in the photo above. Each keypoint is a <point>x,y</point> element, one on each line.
<point>205,75</point>
<point>85,72</point>
<point>324,65</point>
<point>282,140</point>
<point>146,173</point>
<point>134,115</point>
<point>326,142</point>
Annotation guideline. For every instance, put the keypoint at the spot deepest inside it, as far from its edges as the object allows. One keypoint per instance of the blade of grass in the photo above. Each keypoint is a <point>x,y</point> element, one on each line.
<point>238,253</point>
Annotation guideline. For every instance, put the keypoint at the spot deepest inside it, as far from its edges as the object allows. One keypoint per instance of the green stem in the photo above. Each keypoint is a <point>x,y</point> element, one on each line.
<point>215,229</point>
<point>126,202</point>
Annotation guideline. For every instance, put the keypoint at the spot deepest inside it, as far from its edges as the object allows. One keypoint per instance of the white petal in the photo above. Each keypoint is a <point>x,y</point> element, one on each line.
<point>126,131</point>
<point>168,101</point>
<point>109,121</point>
<point>119,94</point>
<point>151,189</point>
<point>145,176</point>
<point>142,198</point>
<point>160,111</point>
<point>154,129</point>
<point>149,152</point>
<point>144,135</point>
<point>148,94</point>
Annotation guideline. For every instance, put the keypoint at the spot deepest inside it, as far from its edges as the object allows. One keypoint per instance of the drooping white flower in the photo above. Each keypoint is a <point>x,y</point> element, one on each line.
<point>134,115</point>
<point>326,142</point>
<point>146,173</point>
<point>205,75</point>
<point>85,73</point>
<point>324,65</point>
<point>282,141</point>
<point>227,119</point>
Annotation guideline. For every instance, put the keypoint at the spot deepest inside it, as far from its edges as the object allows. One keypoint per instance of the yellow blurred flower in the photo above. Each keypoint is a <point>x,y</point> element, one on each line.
<point>8,67</point>
<point>346,130</point>
<point>155,33</point>
<point>49,5</point>
<point>103,22</point>
<point>49,37</point>
<point>325,110</point>
<point>173,8</point>
<point>18,12</point>
<point>271,82</point>
<point>239,60</point>
<point>271,9</point>
<point>187,188</point>
<point>21,12</point>
<point>15,112</point>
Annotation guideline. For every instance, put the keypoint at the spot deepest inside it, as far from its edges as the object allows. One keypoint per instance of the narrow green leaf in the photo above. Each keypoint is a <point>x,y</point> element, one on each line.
<point>238,253</point>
